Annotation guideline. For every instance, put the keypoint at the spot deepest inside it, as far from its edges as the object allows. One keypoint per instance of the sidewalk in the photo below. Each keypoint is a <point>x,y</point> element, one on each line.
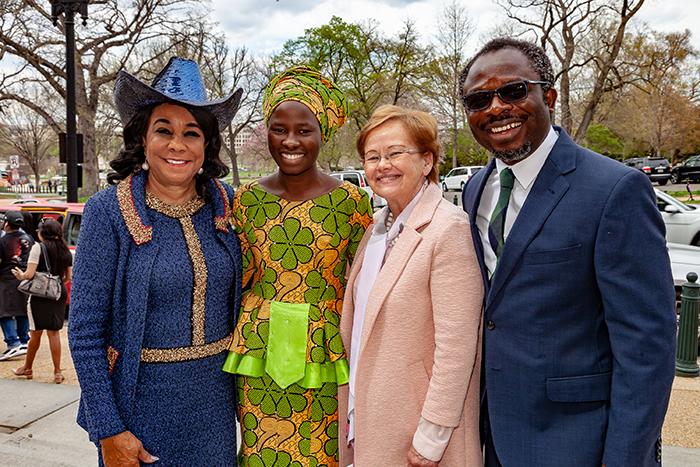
<point>38,429</point>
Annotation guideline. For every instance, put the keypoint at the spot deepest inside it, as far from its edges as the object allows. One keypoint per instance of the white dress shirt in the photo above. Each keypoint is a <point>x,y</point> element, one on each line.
<point>525,172</point>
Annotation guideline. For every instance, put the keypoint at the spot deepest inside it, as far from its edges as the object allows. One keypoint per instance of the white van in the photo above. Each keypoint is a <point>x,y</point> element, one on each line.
<point>459,176</point>
<point>357,177</point>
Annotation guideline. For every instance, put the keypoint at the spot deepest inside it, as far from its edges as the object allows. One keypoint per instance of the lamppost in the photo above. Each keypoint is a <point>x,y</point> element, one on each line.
<point>68,8</point>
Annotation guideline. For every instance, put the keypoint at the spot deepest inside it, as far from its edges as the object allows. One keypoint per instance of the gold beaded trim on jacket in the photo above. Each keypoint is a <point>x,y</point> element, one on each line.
<point>222,222</point>
<point>182,354</point>
<point>199,291</point>
<point>183,213</point>
<point>140,232</point>
<point>112,356</point>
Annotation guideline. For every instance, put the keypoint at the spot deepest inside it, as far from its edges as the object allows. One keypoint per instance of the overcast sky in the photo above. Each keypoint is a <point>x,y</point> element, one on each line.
<point>264,25</point>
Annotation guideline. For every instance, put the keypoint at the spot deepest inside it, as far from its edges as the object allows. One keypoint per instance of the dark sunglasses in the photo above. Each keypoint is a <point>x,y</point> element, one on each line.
<point>511,92</point>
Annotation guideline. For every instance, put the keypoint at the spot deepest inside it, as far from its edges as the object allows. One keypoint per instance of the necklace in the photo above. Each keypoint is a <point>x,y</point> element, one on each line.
<point>388,222</point>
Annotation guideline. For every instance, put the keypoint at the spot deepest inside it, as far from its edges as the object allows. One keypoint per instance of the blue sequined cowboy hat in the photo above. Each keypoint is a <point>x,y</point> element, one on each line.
<point>180,82</point>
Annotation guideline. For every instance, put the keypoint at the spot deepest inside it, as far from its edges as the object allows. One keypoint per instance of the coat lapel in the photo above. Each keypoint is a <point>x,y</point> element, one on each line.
<point>548,189</point>
<point>407,242</point>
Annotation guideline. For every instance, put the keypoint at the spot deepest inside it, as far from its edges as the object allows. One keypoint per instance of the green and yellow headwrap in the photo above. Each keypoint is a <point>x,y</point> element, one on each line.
<point>306,85</point>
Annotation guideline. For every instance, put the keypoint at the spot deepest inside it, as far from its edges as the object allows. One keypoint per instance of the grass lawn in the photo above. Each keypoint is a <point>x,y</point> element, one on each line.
<point>682,196</point>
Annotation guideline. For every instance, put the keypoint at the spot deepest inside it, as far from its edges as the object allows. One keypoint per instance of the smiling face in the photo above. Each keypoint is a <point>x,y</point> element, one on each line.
<point>397,181</point>
<point>511,131</point>
<point>294,138</point>
<point>174,147</point>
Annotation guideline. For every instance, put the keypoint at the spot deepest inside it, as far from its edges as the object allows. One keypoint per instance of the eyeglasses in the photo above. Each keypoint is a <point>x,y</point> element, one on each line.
<point>373,158</point>
<point>510,93</point>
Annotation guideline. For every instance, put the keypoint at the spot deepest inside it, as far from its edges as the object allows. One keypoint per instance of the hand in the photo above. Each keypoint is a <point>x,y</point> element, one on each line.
<point>416,460</point>
<point>124,450</point>
<point>18,273</point>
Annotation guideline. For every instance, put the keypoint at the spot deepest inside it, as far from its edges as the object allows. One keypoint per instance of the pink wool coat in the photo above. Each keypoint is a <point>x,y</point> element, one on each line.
<point>420,351</point>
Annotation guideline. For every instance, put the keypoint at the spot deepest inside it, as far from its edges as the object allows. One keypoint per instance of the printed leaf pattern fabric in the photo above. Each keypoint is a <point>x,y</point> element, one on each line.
<point>295,252</point>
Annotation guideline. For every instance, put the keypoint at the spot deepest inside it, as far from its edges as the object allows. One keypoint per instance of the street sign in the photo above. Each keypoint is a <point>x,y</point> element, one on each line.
<point>14,162</point>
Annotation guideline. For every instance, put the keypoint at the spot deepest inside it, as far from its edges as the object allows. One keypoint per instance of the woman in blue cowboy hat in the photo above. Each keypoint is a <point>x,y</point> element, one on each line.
<point>157,280</point>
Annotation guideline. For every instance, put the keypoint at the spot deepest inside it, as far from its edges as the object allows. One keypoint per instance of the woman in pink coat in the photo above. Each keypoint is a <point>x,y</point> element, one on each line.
<point>412,311</point>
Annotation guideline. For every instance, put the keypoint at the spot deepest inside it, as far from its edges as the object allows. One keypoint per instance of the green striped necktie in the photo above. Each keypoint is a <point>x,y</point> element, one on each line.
<point>498,217</point>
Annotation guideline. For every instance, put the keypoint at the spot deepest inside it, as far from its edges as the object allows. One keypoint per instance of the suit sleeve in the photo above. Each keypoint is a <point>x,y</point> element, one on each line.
<point>456,295</point>
<point>90,321</point>
<point>634,277</point>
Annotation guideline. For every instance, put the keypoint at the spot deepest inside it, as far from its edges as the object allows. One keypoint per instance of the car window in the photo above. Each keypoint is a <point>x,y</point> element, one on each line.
<point>657,162</point>
<point>663,200</point>
<point>352,178</point>
<point>338,176</point>
<point>73,229</point>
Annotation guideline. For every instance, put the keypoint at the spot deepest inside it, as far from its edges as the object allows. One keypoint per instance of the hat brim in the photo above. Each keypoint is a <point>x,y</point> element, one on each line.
<point>131,95</point>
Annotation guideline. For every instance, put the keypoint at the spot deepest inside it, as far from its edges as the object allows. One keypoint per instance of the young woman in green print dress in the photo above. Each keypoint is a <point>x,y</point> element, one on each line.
<point>298,228</point>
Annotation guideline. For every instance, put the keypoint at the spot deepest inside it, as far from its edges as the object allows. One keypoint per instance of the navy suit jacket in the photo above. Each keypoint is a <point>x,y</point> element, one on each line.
<point>580,324</point>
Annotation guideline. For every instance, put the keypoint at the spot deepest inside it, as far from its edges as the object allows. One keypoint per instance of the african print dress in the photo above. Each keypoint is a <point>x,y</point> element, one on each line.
<point>286,345</point>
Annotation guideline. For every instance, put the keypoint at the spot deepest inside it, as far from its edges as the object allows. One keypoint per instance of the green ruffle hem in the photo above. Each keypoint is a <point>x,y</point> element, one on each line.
<point>315,374</point>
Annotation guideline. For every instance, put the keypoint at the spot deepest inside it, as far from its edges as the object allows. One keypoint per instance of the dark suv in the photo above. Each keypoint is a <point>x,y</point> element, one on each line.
<point>657,168</point>
<point>688,170</point>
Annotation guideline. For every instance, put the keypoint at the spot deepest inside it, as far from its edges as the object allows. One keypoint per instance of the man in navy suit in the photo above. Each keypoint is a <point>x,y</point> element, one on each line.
<point>579,312</point>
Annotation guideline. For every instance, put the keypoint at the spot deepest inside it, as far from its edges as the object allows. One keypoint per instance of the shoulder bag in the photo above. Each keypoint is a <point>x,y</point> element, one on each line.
<point>43,284</point>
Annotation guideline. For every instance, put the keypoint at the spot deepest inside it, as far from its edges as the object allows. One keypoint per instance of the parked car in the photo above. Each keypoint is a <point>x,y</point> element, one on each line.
<point>657,169</point>
<point>684,259</point>
<point>459,176</point>
<point>358,178</point>
<point>687,170</point>
<point>682,220</point>
<point>68,214</point>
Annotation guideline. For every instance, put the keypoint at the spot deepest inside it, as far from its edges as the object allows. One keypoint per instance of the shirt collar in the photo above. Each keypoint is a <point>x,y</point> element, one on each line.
<point>526,170</point>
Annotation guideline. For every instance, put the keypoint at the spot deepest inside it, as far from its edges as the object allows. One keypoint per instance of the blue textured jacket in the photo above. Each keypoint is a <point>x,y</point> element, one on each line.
<point>113,263</point>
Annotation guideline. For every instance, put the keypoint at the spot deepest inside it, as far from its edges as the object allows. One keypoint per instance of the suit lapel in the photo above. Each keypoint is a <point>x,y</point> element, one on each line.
<point>407,242</point>
<point>548,189</point>
<point>470,202</point>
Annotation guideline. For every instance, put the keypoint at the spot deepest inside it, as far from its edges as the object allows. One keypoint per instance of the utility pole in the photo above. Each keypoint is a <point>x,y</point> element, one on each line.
<point>68,8</point>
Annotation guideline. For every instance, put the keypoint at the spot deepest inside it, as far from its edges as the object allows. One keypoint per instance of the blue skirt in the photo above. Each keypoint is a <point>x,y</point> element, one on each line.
<point>184,412</point>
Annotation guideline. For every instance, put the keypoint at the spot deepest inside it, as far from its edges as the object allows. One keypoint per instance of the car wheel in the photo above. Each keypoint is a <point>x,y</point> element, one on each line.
<point>663,182</point>
<point>675,178</point>
<point>444,186</point>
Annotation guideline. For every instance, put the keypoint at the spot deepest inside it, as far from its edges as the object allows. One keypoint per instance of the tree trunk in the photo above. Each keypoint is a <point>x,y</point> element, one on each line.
<point>454,136</point>
<point>565,103</point>
<point>91,177</point>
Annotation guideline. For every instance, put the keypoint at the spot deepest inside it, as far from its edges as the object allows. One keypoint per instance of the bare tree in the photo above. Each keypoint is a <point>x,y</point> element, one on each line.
<point>119,31</point>
<point>579,33</point>
<point>26,134</point>
<point>454,30</point>
<point>230,72</point>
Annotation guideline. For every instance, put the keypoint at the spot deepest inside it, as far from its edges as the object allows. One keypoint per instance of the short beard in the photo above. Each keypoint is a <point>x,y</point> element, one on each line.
<point>514,155</point>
